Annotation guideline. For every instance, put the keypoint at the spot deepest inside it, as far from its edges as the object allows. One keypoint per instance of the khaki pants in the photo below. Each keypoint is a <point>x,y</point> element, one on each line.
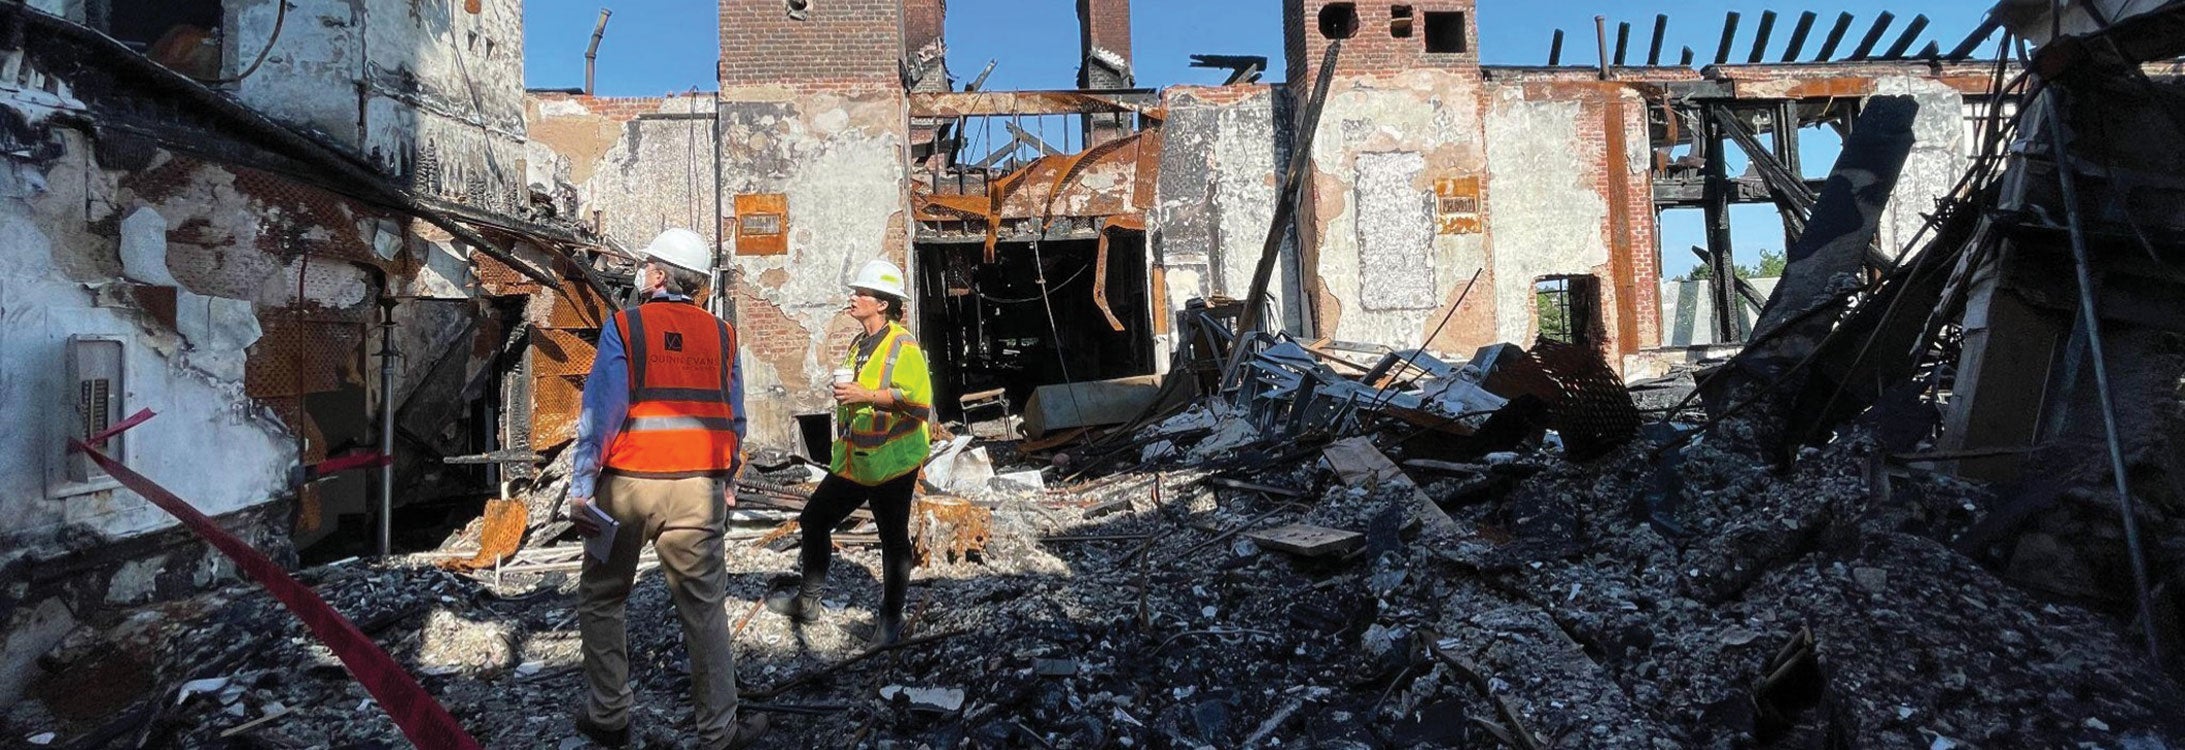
<point>683,518</point>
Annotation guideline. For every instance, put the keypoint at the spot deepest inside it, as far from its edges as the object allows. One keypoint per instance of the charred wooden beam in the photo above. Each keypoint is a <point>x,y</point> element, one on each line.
<point>1760,37</point>
<point>1729,37</point>
<point>1904,43</point>
<point>1835,37</point>
<point>1623,41</point>
<point>1873,36</point>
<point>1654,49</point>
<point>1798,36</point>
<point>1555,49</point>
<point>1965,49</point>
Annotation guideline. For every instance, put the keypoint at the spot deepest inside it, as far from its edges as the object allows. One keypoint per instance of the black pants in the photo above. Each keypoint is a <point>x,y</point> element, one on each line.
<point>833,502</point>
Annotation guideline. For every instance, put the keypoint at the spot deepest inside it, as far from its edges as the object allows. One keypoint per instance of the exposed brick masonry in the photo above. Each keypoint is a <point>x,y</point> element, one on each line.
<point>840,43</point>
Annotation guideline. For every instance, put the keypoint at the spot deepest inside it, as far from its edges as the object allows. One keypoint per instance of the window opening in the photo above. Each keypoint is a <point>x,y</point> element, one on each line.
<point>1569,309</point>
<point>1445,32</point>
<point>1399,21</point>
<point>1338,20</point>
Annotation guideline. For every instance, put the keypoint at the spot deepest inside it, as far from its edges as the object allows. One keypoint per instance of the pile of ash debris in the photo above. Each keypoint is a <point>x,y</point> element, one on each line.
<point>1253,573</point>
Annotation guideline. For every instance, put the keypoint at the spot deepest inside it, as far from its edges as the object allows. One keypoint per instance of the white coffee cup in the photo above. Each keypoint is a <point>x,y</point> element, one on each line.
<point>845,375</point>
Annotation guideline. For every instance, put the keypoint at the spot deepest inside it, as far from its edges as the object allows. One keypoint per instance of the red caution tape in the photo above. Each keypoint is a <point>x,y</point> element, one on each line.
<point>339,464</point>
<point>138,418</point>
<point>421,718</point>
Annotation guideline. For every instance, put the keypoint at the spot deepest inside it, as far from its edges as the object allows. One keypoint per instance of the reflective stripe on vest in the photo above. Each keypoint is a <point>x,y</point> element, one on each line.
<point>680,422</point>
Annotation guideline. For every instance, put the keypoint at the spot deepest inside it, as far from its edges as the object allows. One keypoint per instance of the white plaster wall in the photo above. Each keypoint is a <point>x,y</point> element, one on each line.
<point>310,75</point>
<point>1429,112</point>
<point>841,163</point>
<point>207,445</point>
<point>1547,214</point>
<point>1247,175</point>
<point>659,175</point>
<point>444,88</point>
<point>1938,158</point>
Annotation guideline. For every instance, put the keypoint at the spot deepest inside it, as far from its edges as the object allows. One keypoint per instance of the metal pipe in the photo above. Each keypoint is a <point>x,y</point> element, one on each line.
<point>591,52</point>
<point>2091,320</point>
<point>387,358</point>
<point>1600,36</point>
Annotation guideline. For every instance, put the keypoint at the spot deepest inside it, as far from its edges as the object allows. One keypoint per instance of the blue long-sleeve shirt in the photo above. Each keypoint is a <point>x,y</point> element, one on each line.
<point>607,405</point>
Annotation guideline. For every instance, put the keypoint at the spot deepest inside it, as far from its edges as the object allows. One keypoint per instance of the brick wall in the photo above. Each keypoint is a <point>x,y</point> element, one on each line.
<point>925,42</point>
<point>1103,25</point>
<point>839,43</point>
<point>1374,47</point>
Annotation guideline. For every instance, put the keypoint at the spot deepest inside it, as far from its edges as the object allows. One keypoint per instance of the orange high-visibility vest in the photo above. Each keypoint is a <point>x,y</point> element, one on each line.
<point>680,422</point>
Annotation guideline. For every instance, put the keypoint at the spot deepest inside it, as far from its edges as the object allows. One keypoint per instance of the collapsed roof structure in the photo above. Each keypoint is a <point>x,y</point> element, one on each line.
<point>1271,471</point>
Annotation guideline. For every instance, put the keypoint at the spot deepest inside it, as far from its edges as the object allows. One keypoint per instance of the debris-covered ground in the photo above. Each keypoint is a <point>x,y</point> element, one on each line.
<point>1815,608</point>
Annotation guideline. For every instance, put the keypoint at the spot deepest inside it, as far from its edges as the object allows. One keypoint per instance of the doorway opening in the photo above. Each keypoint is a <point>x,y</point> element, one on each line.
<point>1569,309</point>
<point>984,325</point>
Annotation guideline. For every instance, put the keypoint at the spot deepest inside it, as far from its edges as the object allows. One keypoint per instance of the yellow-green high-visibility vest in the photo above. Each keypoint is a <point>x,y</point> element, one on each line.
<point>874,445</point>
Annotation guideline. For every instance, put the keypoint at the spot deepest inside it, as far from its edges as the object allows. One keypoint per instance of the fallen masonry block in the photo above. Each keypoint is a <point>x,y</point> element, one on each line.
<point>1308,541</point>
<point>939,700</point>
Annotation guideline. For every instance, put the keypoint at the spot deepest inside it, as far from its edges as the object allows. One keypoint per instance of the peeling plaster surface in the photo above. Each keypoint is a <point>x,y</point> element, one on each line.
<point>40,309</point>
<point>1395,233</point>
<point>841,162</point>
<point>1435,115</point>
<point>443,100</point>
<point>1938,158</point>
<point>642,175</point>
<point>1548,216</point>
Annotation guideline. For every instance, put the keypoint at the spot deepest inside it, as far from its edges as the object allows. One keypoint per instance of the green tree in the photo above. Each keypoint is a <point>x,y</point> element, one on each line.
<point>1772,264</point>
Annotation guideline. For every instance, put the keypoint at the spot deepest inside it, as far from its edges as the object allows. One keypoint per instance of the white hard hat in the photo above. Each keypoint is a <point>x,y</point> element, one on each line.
<point>880,276</point>
<point>682,249</point>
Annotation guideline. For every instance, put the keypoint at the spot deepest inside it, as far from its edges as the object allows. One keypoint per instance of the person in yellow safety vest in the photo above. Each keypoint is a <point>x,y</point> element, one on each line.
<point>884,398</point>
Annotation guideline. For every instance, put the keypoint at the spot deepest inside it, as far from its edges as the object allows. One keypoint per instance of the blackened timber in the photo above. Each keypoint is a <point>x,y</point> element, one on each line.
<point>1847,216</point>
<point>2159,35</point>
<point>1623,40</point>
<point>1798,36</point>
<point>1654,49</point>
<point>1723,273</point>
<point>1873,36</point>
<point>1687,58</point>
<point>1904,43</point>
<point>1555,49</point>
<point>1729,37</point>
<point>1793,198</point>
<point>1965,49</point>
<point>1835,37</point>
<point>1293,178</point>
<point>1760,37</point>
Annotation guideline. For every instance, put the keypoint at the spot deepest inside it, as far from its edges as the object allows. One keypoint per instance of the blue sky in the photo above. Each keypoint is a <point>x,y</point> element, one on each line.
<point>663,46</point>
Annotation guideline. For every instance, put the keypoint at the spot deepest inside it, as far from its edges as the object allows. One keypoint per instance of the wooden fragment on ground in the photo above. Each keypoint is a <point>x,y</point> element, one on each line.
<point>500,537</point>
<point>1307,540</point>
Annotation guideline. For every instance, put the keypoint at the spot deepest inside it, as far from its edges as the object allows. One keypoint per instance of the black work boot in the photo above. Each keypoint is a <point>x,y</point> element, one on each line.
<point>603,736</point>
<point>796,606</point>
<point>887,631</point>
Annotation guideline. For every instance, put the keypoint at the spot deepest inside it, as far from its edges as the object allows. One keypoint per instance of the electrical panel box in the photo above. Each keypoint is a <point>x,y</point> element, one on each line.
<point>95,388</point>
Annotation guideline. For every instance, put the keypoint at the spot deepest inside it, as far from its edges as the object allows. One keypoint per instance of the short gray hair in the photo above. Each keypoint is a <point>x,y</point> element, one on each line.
<point>684,281</point>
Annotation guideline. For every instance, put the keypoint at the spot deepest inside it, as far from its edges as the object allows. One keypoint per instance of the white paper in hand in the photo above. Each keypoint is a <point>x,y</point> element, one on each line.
<point>602,544</point>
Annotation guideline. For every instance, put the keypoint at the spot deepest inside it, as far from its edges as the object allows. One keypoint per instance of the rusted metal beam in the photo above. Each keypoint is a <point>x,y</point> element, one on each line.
<point>978,103</point>
<point>1835,37</point>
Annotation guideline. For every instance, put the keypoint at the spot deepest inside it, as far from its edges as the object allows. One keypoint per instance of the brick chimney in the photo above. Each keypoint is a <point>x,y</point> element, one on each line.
<point>1379,37</point>
<point>1104,34</point>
